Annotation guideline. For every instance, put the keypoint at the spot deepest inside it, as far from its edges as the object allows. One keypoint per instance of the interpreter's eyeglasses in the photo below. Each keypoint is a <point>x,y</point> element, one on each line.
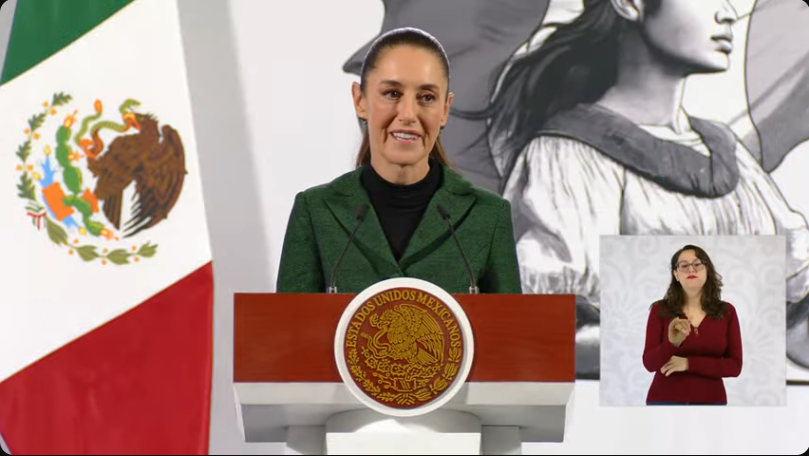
<point>685,267</point>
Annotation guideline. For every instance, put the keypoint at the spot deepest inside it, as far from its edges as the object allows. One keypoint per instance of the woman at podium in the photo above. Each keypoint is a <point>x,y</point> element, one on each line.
<point>404,211</point>
<point>693,338</point>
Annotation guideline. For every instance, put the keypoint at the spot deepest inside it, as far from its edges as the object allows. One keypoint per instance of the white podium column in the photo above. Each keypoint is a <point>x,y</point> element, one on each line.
<point>501,440</point>
<point>305,440</point>
<point>369,432</point>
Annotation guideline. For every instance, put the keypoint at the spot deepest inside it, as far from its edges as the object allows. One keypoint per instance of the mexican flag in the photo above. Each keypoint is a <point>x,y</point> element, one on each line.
<point>106,303</point>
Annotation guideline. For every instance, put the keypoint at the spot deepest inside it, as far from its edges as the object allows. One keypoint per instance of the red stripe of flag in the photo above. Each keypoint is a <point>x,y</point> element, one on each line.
<point>139,384</point>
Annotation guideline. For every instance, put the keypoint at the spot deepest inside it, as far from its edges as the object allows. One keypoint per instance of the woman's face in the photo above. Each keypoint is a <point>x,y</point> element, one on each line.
<point>405,104</point>
<point>695,33</point>
<point>690,271</point>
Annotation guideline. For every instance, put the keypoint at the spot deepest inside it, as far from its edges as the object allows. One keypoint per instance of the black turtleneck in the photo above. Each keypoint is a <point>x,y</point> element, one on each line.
<point>400,207</point>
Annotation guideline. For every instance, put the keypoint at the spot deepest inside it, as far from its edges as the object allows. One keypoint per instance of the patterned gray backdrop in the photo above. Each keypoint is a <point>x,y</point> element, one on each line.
<point>635,273</point>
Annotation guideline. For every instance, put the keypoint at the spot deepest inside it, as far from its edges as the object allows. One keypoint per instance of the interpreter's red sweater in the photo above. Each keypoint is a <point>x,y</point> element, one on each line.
<point>713,352</point>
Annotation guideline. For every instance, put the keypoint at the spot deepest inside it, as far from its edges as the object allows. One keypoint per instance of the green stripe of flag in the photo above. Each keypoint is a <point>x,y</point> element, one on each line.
<point>43,27</point>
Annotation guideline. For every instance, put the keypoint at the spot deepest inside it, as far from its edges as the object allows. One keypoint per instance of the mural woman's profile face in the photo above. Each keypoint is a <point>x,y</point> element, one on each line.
<point>696,35</point>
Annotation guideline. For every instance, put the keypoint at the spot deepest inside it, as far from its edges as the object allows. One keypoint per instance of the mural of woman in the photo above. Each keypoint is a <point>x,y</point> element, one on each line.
<point>591,137</point>
<point>547,74</point>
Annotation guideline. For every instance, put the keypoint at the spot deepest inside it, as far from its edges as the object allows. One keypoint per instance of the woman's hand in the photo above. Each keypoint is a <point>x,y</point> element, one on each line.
<point>679,329</point>
<point>675,364</point>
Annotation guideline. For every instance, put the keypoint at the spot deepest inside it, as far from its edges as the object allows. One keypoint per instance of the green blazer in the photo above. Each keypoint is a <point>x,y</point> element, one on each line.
<point>323,216</point>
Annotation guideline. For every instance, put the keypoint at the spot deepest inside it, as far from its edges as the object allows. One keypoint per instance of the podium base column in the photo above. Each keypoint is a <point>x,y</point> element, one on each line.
<point>369,432</point>
<point>305,440</point>
<point>501,440</point>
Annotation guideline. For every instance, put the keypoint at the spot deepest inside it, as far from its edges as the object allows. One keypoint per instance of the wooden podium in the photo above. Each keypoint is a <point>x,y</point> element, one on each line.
<point>287,383</point>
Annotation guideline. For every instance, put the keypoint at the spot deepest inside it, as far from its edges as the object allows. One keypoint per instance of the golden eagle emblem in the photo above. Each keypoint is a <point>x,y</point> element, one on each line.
<point>407,333</point>
<point>403,347</point>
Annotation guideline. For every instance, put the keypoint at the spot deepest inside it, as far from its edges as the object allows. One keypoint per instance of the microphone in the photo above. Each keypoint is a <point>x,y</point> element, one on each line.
<point>361,211</point>
<point>473,288</point>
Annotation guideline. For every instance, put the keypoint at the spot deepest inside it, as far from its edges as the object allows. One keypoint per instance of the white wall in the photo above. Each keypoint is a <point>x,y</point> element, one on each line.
<point>6,17</point>
<point>273,115</point>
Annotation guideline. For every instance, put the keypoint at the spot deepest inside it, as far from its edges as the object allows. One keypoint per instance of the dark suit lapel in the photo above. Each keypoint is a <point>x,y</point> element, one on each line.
<point>348,195</point>
<point>456,195</point>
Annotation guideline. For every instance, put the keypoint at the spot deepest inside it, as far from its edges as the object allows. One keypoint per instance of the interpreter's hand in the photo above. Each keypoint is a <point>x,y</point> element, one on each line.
<point>679,329</point>
<point>675,364</point>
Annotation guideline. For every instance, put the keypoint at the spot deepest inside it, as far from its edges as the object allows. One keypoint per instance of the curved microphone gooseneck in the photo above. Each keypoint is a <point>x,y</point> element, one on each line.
<point>361,211</point>
<point>473,288</point>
